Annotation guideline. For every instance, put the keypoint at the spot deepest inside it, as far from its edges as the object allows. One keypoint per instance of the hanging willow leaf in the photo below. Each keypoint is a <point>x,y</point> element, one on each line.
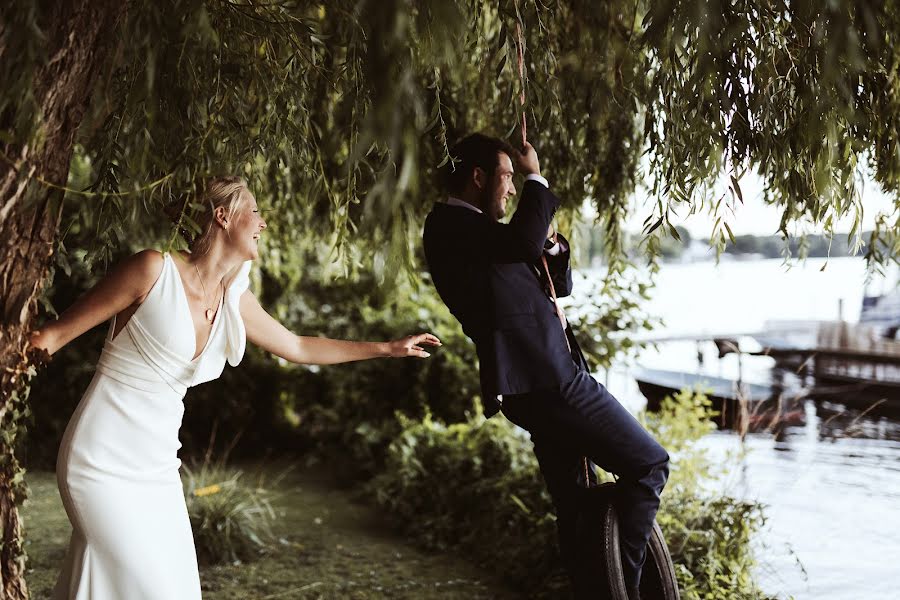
<point>654,227</point>
<point>730,234</point>
<point>674,232</point>
<point>500,67</point>
<point>737,189</point>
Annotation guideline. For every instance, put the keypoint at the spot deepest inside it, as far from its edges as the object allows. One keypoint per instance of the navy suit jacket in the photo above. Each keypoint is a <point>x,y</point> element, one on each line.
<point>487,273</point>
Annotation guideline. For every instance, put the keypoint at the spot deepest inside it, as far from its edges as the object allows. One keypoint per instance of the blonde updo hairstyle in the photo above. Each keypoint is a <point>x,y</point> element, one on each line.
<point>229,193</point>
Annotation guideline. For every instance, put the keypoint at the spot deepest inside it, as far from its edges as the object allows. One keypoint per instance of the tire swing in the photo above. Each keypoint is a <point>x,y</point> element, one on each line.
<point>658,574</point>
<point>658,580</point>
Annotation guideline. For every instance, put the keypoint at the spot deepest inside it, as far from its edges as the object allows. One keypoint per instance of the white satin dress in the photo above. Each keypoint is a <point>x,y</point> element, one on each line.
<point>118,465</point>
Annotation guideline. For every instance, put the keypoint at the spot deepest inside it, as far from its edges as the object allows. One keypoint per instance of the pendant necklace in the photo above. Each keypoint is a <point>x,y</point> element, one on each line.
<point>209,313</point>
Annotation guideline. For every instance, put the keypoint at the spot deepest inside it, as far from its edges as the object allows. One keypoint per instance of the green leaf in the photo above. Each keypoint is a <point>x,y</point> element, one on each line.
<point>737,188</point>
<point>654,227</point>
<point>674,232</point>
<point>730,235</point>
<point>519,503</point>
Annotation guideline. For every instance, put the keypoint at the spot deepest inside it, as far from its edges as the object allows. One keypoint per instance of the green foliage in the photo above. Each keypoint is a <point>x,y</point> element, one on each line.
<point>710,540</point>
<point>340,112</point>
<point>476,487</point>
<point>805,93</point>
<point>14,411</point>
<point>606,314</point>
<point>709,535</point>
<point>349,409</point>
<point>681,422</point>
<point>230,519</point>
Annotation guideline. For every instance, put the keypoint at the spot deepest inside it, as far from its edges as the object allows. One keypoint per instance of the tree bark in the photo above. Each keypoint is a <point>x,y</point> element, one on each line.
<point>80,35</point>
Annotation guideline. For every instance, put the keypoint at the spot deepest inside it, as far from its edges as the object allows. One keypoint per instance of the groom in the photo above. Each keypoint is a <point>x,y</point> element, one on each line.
<point>500,281</point>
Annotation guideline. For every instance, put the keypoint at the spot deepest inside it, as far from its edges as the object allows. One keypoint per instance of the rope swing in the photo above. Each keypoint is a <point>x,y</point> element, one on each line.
<point>520,56</point>
<point>520,61</point>
<point>658,581</point>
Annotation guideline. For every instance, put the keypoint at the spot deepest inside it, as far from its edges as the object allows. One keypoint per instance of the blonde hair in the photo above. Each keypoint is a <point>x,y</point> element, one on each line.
<point>230,193</point>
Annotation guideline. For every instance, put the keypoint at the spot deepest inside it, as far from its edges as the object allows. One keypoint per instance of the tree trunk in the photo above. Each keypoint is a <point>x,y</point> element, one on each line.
<point>79,37</point>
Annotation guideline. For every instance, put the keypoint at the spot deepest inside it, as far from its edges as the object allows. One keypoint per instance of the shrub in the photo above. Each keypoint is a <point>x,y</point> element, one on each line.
<point>708,535</point>
<point>348,410</point>
<point>230,519</point>
<point>475,487</point>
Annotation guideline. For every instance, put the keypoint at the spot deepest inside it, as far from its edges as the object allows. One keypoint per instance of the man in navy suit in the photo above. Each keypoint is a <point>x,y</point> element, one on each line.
<point>500,281</point>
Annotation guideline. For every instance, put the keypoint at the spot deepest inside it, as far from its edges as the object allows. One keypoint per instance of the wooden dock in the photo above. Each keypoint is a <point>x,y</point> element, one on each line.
<point>849,363</point>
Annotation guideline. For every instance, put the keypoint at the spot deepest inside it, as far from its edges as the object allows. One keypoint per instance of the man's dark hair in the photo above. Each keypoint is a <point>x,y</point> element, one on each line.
<point>474,150</point>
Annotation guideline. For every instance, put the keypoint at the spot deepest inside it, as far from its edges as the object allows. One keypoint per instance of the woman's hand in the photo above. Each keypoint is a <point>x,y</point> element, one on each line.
<point>411,345</point>
<point>38,351</point>
<point>41,340</point>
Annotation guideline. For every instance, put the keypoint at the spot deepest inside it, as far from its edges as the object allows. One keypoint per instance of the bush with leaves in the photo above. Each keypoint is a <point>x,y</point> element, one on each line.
<point>708,533</point>
<point>476,487</point>
<point>350,408</point>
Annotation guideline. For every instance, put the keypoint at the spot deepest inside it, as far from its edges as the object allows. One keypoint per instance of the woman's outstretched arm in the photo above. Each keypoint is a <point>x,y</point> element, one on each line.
<point>128,283</point>
<point>272,336</point>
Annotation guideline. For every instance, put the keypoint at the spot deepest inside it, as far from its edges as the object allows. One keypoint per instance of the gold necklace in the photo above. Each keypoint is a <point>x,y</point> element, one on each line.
<point>209,312</point>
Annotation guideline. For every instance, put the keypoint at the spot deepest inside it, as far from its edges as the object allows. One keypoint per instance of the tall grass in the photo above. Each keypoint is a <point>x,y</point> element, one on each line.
<point>231,518</point>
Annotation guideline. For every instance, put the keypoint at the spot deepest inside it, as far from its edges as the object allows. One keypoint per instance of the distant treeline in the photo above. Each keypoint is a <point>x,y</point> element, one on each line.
<point>773,246</point>
<point>590,241</point>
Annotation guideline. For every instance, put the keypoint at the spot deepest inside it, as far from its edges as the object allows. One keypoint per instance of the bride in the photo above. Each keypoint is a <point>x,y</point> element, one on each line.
<point>174,321</point>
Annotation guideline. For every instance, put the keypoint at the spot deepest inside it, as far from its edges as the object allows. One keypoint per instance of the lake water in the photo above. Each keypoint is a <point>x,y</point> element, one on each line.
<point>831,486</point>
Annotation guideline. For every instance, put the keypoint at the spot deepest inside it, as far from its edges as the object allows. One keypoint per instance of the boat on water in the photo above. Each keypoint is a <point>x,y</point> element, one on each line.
<point>881,311</point>
<point>755,405</point>
<point>859,363</point>
<point>854,364</point>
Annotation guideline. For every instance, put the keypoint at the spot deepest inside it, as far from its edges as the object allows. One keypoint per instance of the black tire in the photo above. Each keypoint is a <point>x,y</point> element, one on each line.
<point>612,557</point>
<point>658,576</point>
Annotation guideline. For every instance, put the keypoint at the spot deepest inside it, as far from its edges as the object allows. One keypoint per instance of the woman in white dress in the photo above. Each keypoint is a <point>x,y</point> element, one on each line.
<point>174,321</point>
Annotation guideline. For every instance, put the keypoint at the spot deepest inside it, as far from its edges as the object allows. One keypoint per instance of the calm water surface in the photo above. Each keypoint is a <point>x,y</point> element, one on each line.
<point>831,486</point>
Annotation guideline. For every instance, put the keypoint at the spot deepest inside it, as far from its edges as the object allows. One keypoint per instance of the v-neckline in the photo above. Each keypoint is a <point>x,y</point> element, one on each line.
<point>187,303</point>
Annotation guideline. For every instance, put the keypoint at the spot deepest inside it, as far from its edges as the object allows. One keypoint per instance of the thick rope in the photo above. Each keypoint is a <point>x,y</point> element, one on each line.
<point>520,52</point>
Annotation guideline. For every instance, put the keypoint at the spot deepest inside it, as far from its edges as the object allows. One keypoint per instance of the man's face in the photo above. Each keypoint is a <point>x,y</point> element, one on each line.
<point>498,188</point>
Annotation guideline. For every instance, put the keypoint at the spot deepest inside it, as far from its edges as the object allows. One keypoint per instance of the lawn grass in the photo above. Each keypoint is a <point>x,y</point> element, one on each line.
<point>327,547</point>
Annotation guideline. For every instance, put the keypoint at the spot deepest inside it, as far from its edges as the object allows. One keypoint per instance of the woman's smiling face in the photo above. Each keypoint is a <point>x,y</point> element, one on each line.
<point>245,231</point>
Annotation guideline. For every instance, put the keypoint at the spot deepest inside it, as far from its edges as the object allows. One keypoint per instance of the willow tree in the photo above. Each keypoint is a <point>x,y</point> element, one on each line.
<point>339,112</point>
